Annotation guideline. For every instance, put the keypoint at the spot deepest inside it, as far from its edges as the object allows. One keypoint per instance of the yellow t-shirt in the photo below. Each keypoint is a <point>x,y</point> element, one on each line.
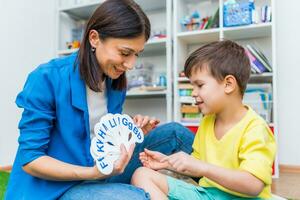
<point>249,146</point>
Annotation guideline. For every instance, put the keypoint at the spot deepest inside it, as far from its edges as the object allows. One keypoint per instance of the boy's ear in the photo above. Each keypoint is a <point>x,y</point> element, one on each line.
<point>94,38</point>
<point>230,84</point>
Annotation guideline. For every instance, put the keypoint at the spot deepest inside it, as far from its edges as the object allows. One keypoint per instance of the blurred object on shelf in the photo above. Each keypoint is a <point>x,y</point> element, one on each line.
<point>194,22</point>
<point>162,80</point>
<point>140,75</point>
<point>244,12</point>
<point>73,45</point>
<point>76,36</point>
<point>152,88</point>
<point>157,34</point>
<point>189,109</point>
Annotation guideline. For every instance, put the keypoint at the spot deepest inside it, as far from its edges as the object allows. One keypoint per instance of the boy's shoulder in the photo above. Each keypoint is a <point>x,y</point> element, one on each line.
<point>255,119</point>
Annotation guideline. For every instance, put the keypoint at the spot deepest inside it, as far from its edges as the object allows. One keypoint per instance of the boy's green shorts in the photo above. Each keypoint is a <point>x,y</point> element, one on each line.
<point>180,190</point>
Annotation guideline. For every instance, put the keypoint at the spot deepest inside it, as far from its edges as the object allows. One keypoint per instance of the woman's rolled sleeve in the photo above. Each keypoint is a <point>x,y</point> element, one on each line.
<point>38,116</point>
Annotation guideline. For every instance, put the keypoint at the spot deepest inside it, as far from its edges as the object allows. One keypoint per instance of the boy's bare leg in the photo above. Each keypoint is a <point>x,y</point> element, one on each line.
<point>152,182</point>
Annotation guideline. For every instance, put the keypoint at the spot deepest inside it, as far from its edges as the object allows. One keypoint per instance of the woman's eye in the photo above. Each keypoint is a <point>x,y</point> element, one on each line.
<point>125,54</point>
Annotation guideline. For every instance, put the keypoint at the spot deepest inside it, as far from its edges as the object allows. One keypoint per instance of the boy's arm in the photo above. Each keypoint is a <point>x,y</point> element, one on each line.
<point>236,180</point>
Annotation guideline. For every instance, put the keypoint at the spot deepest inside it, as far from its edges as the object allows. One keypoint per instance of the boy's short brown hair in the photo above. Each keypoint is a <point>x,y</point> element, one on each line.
<point>222,58</point>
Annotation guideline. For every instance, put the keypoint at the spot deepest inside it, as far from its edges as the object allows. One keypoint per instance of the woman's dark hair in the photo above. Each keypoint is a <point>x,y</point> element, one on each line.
<point>112,19</point>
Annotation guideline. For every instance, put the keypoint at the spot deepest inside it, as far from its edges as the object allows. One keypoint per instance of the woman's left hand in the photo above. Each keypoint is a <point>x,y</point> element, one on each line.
<point>145,123</point>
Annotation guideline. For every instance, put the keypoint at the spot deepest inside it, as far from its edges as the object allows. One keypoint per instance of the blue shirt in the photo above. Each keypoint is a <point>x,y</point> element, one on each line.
<point>55,122</point>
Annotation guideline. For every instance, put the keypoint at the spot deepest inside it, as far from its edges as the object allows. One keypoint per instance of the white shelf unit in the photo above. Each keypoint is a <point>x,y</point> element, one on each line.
<point>260,35</point>
<point>157,51</point>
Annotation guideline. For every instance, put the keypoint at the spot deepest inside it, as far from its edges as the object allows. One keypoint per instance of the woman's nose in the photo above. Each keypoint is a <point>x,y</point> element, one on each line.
<point>129,63</point>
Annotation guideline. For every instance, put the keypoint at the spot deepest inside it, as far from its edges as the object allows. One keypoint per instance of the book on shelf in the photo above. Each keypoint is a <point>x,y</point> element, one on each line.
<point>259,62</point>
<point>256,65</point>
<point>259,98</point>
<point>189,109</point>
<point>185,86</point>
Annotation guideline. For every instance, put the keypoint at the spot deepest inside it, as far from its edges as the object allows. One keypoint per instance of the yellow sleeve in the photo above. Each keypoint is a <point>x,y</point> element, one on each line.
<point>257,152</point>
<point>196,146</point>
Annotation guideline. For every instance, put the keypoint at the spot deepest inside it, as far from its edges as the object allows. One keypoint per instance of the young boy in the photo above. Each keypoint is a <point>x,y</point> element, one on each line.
<point>233,149</point>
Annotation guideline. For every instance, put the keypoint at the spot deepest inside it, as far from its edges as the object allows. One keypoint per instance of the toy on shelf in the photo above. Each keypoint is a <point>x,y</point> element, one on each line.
<point>157,34</point>
<point>73,45</point>
<point>194,22</point>
<point>244,12</point>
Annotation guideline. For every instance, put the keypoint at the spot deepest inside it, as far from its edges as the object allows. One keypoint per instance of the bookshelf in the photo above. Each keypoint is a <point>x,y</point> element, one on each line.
<point>72,14</point>
<point>259,35</point>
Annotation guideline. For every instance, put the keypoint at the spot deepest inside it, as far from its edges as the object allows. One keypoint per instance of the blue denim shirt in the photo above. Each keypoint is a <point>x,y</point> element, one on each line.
<point>55,122</point>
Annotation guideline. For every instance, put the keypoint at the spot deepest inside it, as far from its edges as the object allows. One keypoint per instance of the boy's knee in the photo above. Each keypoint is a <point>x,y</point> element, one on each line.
<point>142,173</point>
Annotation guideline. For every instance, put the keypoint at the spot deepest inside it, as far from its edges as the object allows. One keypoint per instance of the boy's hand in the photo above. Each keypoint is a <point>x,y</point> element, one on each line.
<point>152,160</point>
<point>186,164</point>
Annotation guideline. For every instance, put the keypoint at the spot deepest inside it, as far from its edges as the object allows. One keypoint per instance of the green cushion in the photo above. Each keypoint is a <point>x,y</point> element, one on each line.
<point>3,183</point>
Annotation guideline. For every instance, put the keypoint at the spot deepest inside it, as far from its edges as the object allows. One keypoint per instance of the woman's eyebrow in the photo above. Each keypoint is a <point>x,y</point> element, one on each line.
<point>131,50</point>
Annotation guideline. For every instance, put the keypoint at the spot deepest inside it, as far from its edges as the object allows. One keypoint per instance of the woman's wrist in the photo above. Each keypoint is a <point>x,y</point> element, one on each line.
<point>88,173</point>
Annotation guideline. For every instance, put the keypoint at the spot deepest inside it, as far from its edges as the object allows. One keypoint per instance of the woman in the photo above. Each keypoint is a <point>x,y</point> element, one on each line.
<point>63,99</point>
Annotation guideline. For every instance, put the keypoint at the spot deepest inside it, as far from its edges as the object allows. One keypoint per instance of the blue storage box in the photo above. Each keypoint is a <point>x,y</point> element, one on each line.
<point>237,14</point>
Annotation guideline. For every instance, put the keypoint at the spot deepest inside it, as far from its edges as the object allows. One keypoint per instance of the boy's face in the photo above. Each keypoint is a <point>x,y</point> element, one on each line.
<point>207,91</point>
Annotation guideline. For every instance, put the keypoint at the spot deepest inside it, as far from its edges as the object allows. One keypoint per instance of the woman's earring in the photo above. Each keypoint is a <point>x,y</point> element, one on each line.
<point>93,49</point>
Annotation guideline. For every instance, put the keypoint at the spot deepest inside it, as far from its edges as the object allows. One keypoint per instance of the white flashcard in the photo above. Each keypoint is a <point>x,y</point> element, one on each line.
<point>112,131</point>
<point>134,133</point>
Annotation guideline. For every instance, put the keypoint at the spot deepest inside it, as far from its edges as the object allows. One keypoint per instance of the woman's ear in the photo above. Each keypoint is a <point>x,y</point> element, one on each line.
<point>94,38</point>
<point>230,84</point>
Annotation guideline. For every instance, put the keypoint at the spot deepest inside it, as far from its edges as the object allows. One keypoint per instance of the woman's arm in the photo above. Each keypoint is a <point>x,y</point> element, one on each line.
<point>46,167</point>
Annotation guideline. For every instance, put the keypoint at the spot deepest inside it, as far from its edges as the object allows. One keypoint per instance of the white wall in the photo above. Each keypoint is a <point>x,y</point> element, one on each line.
<point>288,60</point>
<point>26,39</point>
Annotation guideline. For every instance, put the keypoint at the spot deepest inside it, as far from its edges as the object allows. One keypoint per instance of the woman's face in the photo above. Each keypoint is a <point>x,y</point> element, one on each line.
<point>116,56</point>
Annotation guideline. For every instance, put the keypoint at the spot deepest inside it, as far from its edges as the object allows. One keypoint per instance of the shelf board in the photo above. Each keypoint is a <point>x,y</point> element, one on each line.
<point>66,51</point>
<point>147,5</point>
<point>190,123</point>
<point>183,79</point>
<point>146,94</point>
<point>249,31</point>
<point>264,77</point>
<point>155,45</point>
<point>84,10</point>
<point>199,36</point>
<point>81,11</point>
<point>151,45</point>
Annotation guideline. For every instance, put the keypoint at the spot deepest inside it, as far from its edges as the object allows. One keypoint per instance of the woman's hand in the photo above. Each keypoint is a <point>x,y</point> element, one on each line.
<point>184,163</point>
<point>152,160</point>
<point>119,165</point>
<point>122,162</point>
<point>145,123</point>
